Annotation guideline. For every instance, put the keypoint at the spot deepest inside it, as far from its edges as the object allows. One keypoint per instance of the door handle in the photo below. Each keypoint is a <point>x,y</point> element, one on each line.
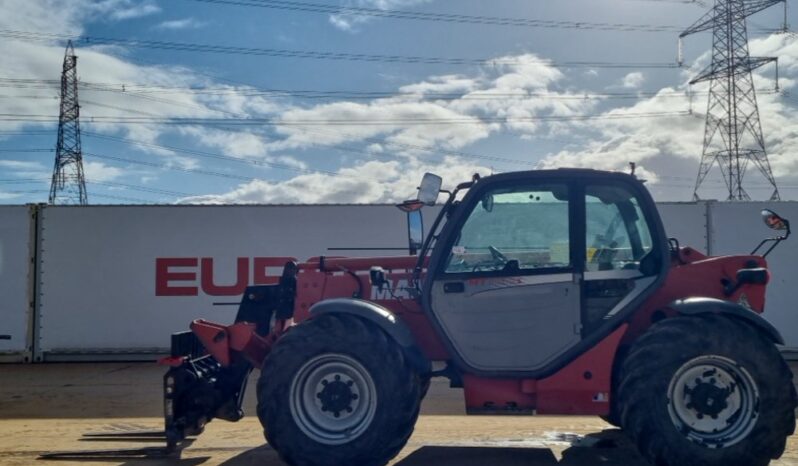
<point>454,287</point>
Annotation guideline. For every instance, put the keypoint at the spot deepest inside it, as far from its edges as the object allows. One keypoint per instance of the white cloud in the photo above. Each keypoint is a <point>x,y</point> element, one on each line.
<point>668,150</point>
<point>236,144</point>
<point>402,121</point>
<point>633,80</point>
<point>620,141</point>
<point>26,169</point>
<point>65,17</point>
<point>403,127</point>
<point>24,178</point>
<point>123,9</point>
<point>591,73</point>
<point>370,182</point>
<point>441,85</point>
<point>100,172</point>
<point>8,196</point>
<point>108,65</point>
<point>20,165</point>
<point>398,132</point>
<point>178,24</point>
<point>517,92</point>
<point>349,21</point>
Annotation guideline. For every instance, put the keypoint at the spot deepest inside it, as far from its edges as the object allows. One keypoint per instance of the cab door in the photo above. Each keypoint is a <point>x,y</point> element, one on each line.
<point>508,292</point>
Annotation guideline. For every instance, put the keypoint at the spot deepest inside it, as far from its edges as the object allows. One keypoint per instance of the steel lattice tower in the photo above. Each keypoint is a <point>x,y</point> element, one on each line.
<point>69,185</point>
<point>733,133</point>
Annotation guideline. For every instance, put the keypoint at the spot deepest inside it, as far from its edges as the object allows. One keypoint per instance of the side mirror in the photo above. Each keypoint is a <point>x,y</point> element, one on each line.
<point>774,221</point>
<point>415,231</point>
<point>430,189</point>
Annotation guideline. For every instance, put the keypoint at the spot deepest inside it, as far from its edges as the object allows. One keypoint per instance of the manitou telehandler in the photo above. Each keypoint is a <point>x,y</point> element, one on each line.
<point>548,292</point>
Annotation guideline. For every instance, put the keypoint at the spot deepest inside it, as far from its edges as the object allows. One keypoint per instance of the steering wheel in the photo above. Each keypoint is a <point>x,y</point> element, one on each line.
<point>497,255</point>
<point>606,250</point>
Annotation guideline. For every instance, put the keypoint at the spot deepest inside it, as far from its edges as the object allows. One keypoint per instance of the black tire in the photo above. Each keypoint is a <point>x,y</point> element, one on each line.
<point>424,381</point>
<point>396,386</point>
<point>756,402</point>
<point>612,419</point>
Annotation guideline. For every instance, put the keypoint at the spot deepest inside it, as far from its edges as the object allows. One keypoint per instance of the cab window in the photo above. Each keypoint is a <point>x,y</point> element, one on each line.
<point>617,237</point>
<point>519,228</point>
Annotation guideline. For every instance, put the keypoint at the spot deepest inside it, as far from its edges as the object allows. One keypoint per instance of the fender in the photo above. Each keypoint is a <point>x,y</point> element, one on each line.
<point>395,327</point>
<point>697,306</point>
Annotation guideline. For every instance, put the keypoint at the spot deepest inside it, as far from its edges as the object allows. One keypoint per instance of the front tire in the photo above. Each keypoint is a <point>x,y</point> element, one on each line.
<point>335,391</point>
<point>707,390</point>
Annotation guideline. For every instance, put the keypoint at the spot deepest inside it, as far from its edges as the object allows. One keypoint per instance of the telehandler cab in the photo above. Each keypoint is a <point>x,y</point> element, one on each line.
<point>549,292</point>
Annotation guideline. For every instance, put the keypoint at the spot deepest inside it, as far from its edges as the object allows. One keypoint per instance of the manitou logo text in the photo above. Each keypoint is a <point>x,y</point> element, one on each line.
<point>187,276</point>
<point>396,289</point>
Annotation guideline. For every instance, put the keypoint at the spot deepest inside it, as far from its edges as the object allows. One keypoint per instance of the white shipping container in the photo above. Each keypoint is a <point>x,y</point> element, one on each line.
<point>118,280</point>
<point>122,279</point>
<point>15,255</point>
<point>737,228</point>
<point>687,222</point>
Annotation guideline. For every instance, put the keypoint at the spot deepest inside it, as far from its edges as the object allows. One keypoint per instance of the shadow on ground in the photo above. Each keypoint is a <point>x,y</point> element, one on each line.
<point>606,448</point>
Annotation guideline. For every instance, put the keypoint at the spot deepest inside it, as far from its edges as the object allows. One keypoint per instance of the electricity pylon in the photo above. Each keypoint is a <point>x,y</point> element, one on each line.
<point>69,185</point>
<point>733,133</point>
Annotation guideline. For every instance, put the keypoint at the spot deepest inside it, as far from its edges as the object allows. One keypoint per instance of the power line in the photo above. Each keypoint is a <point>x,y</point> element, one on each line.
<point>414,147</point>
<point>700,3</point>
<point>189,121</point>
<point>124,198</point>
<point>474,94</point>
<point>93,195</point>
<point>442,17</point>
<point>433,150</point>
<point>27,150</point>
<point>29,36</point>
<point>334,146</point>
<point>210,155</point>
<point>144,91</point>
<point>26,133</point>
<point>41,97</point>
<point>146,189</point>
<point>111,184</point>
<point>164,166</point>
<point>462,18</point>
<point>478,94</point>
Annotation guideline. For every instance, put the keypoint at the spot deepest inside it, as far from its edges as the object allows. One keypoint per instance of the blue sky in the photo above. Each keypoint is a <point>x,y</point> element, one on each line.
<point>376,150</point>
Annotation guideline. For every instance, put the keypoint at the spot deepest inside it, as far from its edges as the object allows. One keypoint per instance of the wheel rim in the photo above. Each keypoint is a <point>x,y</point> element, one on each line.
<point>713,401</point>
<point>333,399</point>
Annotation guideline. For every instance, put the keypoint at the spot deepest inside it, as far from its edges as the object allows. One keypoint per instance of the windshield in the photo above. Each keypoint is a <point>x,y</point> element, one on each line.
<point>522,227</point>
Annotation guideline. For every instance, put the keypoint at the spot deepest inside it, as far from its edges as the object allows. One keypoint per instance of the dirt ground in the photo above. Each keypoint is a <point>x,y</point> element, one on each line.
<point>47,408</point>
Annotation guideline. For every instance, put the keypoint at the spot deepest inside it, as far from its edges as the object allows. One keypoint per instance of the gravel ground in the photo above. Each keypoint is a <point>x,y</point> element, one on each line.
<point>46,408</point>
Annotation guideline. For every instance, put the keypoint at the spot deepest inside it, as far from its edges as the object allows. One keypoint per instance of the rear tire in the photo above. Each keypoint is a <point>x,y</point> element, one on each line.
<point>707,390</point>
<point>335,391</point>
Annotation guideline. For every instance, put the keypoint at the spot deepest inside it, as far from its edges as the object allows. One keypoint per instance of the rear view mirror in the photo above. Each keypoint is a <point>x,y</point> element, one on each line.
<point>774,221</point>
<point>429,189</point>
<point>415,231</point>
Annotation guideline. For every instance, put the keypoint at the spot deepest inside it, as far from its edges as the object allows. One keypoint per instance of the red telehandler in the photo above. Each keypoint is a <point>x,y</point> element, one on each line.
<point>548,292</point>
